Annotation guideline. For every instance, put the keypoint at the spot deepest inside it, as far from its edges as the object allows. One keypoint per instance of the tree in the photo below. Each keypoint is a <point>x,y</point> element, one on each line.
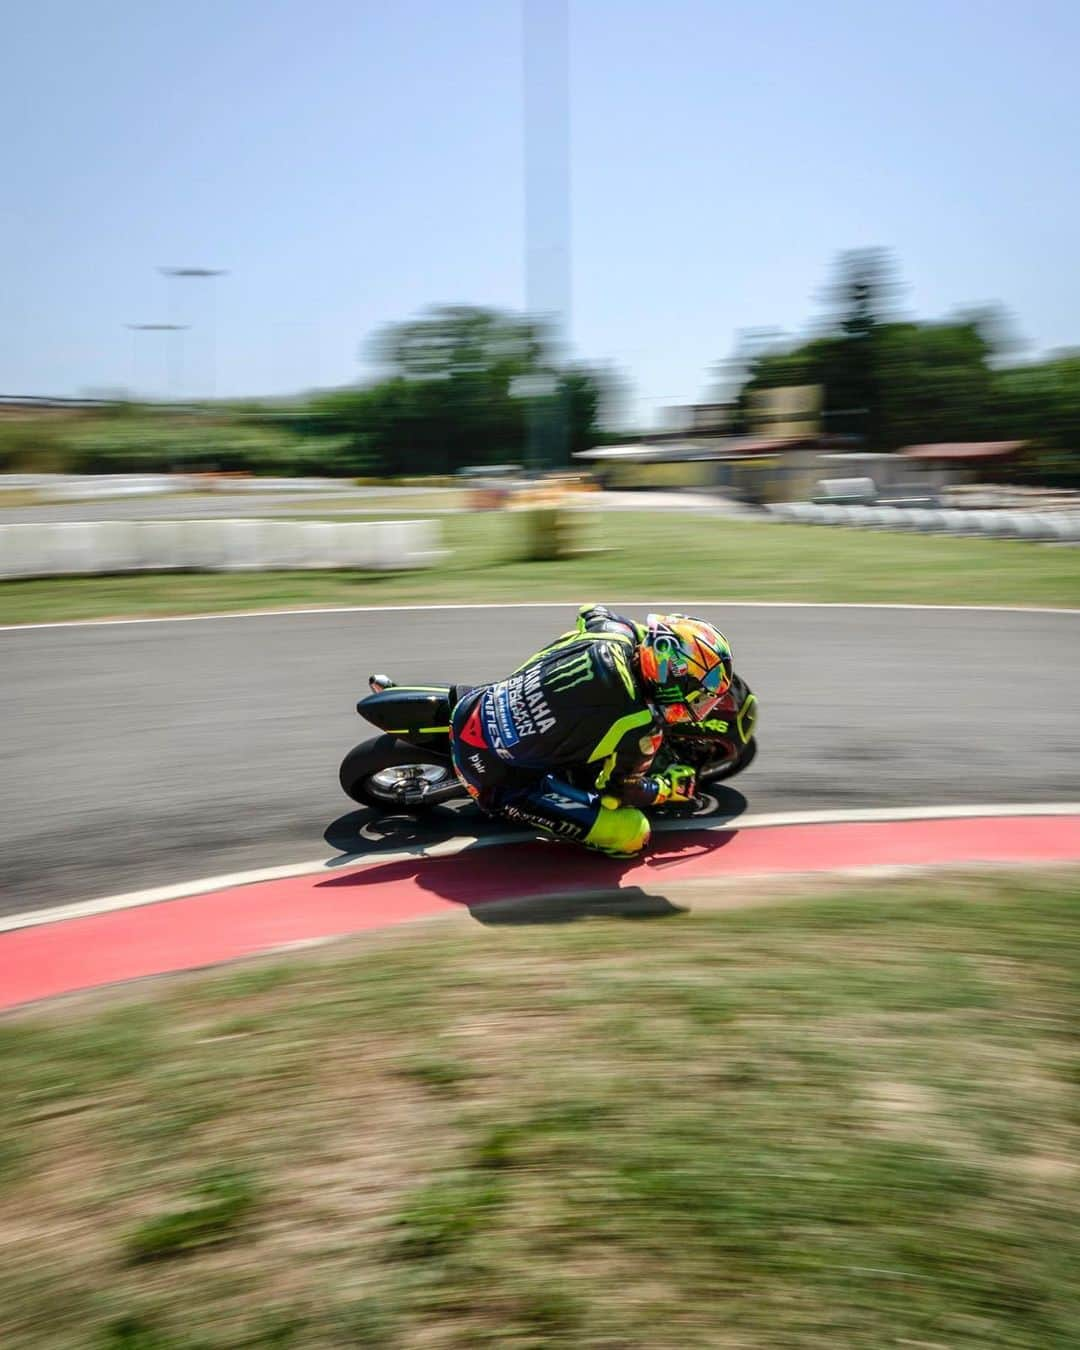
<point>863,291</point>
<point>1040,402</point>
<point>862,295</point>
<point>470,359</point>
<point>933,383</point>
<point>450,391</point>
<point>901,383</point>
<point>449,341</point>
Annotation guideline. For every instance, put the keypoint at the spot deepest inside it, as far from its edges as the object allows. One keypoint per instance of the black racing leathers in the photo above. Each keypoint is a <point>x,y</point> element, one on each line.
<point>577,703</point>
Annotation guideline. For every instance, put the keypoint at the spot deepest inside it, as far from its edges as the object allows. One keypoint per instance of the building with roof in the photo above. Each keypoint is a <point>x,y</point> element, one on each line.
<point>965,461</point>
<point>754,468</point>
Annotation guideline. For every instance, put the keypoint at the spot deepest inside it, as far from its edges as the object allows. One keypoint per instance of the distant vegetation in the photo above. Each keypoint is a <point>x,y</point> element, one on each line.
<point>894,383</point>
<point>465,385</point>
<point>460,386</point>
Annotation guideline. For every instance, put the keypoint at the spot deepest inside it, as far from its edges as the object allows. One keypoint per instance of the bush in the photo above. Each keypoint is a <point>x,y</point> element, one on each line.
<point>32,445</point>
<point>148,447</point>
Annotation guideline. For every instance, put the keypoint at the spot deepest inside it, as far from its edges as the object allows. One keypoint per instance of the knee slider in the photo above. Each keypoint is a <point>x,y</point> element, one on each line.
<point>622,831</point>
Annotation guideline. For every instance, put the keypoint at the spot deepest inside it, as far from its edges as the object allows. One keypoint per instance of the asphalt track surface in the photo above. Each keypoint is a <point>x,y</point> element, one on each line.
<point>142,754</point>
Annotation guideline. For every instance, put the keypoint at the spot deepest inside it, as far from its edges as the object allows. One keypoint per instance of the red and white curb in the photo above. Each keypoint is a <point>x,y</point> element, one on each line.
<point>48,952</point>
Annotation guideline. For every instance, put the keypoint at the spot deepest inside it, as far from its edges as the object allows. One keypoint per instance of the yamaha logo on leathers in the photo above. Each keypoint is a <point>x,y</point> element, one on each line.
<point>521,710</point>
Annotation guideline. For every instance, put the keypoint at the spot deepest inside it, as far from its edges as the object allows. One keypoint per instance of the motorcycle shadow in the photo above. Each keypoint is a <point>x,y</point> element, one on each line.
<point>483,879</point>
<point>361,832</point>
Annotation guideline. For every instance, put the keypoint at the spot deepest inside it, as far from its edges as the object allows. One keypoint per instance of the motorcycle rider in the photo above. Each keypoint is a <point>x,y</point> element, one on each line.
<point>600,695</point>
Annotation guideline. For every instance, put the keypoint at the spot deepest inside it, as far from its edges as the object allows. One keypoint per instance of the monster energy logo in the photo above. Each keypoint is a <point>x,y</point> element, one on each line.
<point>569,674</point>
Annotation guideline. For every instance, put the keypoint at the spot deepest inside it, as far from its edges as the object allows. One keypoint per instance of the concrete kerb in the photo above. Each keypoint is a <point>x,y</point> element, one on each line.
<point>62,954</point>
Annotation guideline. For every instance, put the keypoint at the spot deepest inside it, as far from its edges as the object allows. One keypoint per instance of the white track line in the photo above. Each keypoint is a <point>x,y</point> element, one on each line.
<point>527,604</point>
<point>462,843</point>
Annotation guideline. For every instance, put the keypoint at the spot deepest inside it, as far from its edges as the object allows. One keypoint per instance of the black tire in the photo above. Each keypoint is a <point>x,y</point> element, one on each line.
<point>742,761</point>
<point>364,761</point>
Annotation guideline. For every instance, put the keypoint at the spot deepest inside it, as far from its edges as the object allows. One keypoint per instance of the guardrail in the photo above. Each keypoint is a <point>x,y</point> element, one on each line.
<point>1047,527</point>
<point>98,547</point>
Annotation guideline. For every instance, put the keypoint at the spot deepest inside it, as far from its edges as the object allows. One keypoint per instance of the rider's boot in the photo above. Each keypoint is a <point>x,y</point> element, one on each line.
<point>583,817</point>
<point>618,831</point>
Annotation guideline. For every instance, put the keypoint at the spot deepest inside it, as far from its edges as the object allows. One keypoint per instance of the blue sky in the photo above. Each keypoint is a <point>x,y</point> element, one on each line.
<point>350,161</point>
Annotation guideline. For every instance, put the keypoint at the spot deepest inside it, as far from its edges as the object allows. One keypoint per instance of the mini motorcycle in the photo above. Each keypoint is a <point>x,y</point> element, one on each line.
<point>408,767</point>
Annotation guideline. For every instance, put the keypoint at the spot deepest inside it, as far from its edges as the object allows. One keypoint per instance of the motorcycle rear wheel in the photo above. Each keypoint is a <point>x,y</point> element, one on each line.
<point>391,775</point>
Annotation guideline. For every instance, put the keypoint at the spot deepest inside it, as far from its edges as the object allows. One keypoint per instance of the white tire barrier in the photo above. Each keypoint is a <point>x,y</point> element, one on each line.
<point>82,548</point>
<point>1028,525</point>
<point>1065,529</point>
<point>925,521</point>
<point>984,522</point>
<point>972,523</point>
<point>1004,525</point>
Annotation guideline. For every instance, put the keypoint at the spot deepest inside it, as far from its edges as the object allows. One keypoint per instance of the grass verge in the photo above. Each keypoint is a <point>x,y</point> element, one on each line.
<point>848,1121</point>
<point>631,555</point>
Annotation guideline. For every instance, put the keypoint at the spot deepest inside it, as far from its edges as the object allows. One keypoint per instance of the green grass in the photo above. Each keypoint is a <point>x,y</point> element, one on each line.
<point>631,555</point>
<point>214,1208</point>
<point>850,1120</point>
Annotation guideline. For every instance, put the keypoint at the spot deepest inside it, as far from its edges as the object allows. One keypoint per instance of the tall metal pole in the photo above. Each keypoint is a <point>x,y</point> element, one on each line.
<point>547,207</point>
<point>170,354</point>
<point>203,274</point>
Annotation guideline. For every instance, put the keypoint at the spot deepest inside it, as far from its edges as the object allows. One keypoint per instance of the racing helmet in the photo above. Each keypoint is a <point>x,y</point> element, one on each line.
<point>686,665</point>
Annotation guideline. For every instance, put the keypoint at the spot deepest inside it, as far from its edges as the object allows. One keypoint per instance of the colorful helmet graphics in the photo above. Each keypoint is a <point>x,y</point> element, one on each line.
<point>687,665</point>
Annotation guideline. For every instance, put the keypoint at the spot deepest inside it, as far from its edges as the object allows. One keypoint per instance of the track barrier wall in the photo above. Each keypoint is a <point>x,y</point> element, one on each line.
<point>87,548</point>
<point>1047,527</point>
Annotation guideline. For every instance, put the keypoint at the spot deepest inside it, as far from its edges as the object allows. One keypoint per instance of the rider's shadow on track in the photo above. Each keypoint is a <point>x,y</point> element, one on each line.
<point>476,878</point>
<point>626,902</point>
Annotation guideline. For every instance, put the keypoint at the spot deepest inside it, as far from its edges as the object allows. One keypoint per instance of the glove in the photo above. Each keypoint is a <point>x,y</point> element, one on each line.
<point>676,784</point>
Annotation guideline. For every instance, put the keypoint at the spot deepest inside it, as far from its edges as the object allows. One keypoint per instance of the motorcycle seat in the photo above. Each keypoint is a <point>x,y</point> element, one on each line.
<point>458,692</point>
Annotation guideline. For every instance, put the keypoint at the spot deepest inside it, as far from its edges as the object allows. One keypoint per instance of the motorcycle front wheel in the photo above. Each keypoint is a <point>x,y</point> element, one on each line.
<point>730,767</point>
<point>391,775</point>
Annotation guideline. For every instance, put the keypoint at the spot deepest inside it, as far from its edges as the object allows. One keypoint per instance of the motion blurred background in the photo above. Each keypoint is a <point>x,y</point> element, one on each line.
<point>350,337</point>
<point>318,234</point>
